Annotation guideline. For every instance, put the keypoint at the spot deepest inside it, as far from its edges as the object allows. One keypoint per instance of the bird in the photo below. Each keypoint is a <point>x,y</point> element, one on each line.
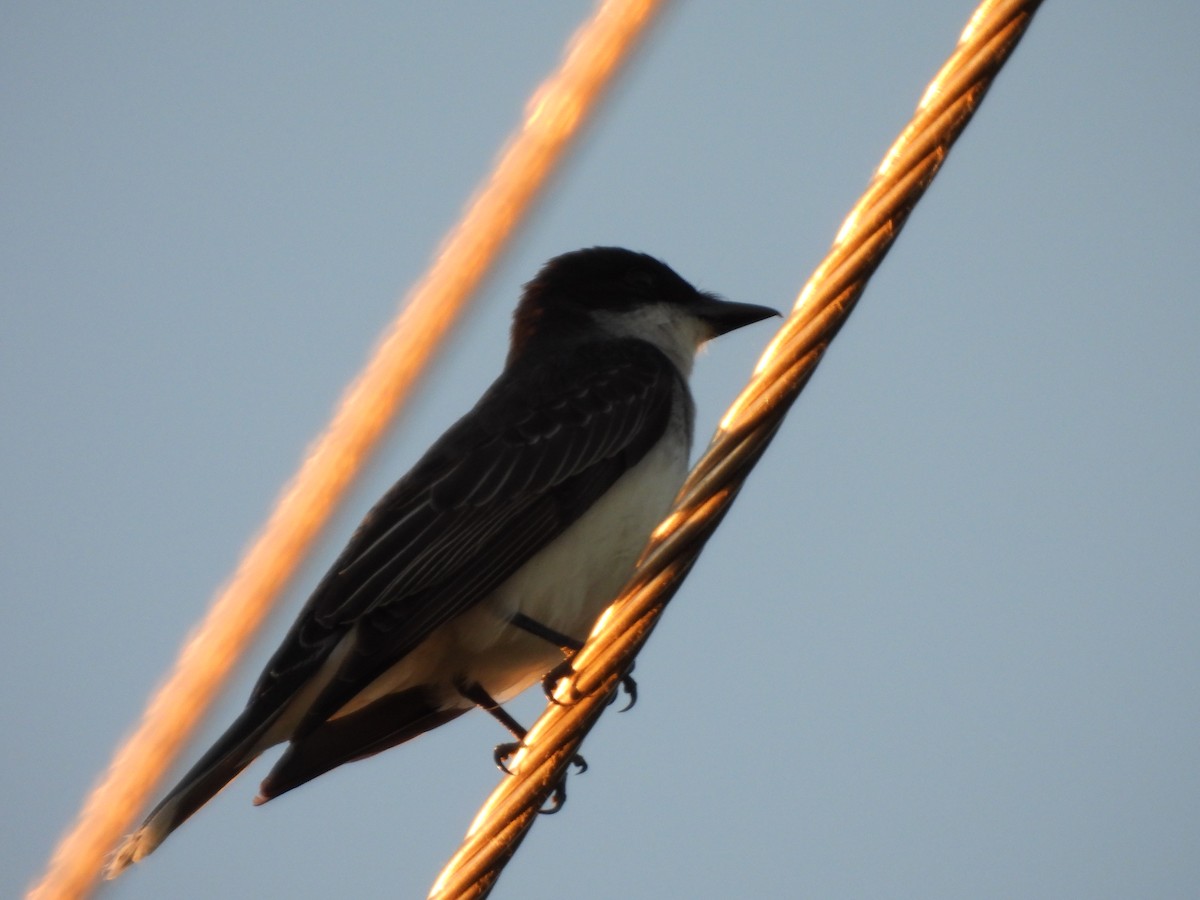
<point>485,566</point>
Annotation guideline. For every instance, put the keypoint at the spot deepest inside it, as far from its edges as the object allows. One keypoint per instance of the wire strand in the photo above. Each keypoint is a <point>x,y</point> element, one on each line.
<point>744,434</point>
<point>555,113</point>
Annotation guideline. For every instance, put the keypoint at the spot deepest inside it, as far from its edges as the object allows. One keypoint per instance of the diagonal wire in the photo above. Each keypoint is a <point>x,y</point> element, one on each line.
<point>554,115</point>
<point>822,307</point>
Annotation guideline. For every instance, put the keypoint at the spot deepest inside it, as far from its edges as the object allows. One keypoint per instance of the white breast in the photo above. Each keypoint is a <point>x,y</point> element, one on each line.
<point>570,582</point>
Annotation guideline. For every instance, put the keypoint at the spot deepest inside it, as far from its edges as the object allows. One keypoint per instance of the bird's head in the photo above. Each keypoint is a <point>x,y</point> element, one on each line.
<point>612,292</point>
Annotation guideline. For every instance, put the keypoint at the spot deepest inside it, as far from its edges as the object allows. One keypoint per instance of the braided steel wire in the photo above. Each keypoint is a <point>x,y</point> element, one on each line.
<point>553,117</point>
<point>745,432</point>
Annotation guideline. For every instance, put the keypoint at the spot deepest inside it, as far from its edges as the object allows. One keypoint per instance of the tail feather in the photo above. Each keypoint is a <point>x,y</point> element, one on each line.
<point>385,723</point>
<point>242,742</point>
<point>389,721</point>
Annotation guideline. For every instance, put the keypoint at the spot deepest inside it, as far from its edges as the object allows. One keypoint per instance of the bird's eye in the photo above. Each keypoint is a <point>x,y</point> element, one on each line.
<point>640,279</point>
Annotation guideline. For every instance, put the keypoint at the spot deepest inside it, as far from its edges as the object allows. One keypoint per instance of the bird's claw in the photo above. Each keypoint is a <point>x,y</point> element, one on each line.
<point>630,687</point>
<point>559,795</point>
<point>553,677</point>
<point>504,752</point>
<point>556,799</point>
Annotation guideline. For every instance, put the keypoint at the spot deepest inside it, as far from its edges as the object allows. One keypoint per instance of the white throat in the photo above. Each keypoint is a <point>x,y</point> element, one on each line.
<point>669,328</point>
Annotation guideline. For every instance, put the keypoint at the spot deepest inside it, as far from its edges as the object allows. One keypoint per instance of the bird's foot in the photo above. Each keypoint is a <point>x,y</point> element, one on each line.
<point>563,669</point>
<point>504,752</point>
<point>553,677</point>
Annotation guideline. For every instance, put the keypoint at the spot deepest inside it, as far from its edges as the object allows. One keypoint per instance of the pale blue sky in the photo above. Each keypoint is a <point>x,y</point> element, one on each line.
<point>944,646</point>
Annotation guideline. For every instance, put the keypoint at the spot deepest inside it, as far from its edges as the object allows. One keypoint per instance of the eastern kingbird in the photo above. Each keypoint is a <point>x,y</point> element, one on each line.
<point>470,579</point>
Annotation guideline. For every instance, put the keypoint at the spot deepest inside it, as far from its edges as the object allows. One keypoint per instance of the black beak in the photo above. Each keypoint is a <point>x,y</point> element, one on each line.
<point>725,316</point>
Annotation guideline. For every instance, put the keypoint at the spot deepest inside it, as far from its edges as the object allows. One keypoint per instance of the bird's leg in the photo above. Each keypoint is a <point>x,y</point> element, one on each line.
<point>546,633</point>
<point>475,692</point>
<point>570,646</point>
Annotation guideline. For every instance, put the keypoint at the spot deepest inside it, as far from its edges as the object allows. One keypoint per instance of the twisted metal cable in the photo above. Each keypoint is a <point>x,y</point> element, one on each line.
<point>744,434</point>
<point>553,116</point>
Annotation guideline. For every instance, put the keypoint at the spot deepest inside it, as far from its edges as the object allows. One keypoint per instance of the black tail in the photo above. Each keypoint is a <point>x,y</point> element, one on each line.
<point>389,721</point>
<point>225,759</point>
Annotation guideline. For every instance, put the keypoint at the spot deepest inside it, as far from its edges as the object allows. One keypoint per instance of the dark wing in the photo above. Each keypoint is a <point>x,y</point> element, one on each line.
<point>541,445</point>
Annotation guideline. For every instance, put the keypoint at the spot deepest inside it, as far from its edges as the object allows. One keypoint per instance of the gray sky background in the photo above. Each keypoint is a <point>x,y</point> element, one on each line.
<point>944,646</point>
